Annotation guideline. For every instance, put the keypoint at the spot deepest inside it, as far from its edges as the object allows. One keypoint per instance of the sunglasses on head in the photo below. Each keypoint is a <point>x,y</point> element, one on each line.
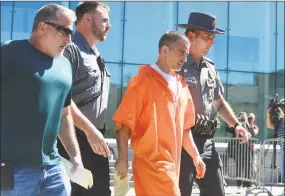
<point>62,30</point>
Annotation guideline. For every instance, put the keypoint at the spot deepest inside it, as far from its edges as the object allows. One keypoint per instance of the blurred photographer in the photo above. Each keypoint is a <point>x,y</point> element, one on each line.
<point>275,120</point>
<point>243,153</point>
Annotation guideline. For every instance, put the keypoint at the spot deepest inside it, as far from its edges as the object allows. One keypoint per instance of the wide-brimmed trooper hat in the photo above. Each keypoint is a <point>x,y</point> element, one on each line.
<point>203,22</point>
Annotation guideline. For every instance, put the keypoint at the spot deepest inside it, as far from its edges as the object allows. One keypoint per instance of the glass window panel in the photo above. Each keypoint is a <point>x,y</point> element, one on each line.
<point>252,39</point>
<point>218,52</point>
<point>114,96</point>
<point>251,92</point>
<point>280,36</point>
<point>280,85</point>
<point>6,20</point>
<point>24,15</point>
<point>111,48</point>
<point>129,71</point>
<point>145,24</point>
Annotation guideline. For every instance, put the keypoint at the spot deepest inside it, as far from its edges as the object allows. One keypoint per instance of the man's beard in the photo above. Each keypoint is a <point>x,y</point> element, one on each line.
<point>97,34</point>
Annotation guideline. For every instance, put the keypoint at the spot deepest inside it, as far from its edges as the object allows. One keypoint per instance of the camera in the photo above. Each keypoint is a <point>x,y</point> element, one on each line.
<point>243,119</point>
<point>274,104</point>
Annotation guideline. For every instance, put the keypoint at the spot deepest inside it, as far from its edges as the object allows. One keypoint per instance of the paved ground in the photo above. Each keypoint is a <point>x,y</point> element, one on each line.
<point>232,191</point>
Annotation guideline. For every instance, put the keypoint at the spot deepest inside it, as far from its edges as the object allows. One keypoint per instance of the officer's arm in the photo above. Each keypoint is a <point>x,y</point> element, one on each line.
<point>94,136</point>
<point>221,105</point>
<point>225,111</point>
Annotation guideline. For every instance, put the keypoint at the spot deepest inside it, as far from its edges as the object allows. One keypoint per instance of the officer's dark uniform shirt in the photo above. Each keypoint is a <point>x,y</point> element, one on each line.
<point>91,79</point>
<point>205,86</point>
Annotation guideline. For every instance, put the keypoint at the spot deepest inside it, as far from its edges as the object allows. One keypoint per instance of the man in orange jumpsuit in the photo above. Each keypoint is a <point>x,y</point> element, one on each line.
<point>156,113</point>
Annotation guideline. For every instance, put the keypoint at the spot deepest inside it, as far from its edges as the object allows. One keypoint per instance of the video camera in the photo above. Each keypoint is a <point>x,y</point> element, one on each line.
<point>274,104</point>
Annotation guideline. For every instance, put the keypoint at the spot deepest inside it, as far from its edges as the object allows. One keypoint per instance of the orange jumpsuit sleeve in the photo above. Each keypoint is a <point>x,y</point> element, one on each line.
<point>130,108</point>
<point>190,114</point>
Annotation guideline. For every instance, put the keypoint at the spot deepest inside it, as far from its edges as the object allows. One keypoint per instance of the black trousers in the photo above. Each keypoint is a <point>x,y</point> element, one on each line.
<point>211,184</point>
<point>97,164</point>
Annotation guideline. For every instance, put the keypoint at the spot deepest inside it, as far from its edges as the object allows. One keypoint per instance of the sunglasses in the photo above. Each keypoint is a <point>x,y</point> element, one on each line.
<point>62,30</point>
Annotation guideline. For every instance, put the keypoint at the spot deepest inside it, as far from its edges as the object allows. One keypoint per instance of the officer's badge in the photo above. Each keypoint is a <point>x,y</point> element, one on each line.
<point>214,23</point>
<point>185,70</point>
<point>192,80</point>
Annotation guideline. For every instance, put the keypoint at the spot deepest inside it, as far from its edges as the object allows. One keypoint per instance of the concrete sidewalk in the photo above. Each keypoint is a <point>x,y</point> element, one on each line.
<point>230,191</point>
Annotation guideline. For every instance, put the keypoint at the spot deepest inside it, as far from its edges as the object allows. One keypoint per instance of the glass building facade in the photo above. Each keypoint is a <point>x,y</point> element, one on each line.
<point>249,56</point>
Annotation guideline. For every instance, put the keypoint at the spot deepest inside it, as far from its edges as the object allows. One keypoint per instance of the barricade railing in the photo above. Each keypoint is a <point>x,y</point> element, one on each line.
<point>271,166</point>
<point>253,163</point>
<point>239,161</point>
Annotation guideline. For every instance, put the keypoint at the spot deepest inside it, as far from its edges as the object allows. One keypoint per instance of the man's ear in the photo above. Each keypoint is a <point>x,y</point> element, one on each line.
<point>191,35</point>
<point>164,50</point>
<point>86,17</point>
<point>41,27</point>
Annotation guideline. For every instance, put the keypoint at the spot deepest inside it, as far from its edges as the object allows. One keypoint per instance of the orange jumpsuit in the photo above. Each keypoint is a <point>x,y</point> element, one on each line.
<point>157,124</point>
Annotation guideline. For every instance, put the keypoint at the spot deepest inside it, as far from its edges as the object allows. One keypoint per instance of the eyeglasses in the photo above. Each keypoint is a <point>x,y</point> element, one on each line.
<point>62,30</point>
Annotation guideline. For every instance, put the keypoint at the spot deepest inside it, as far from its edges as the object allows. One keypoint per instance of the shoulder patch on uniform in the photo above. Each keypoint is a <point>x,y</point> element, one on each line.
<point>209,60</point>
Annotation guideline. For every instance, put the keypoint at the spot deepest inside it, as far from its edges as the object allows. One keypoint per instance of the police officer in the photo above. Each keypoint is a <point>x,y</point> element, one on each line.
<point>90,91</point>
<point>206,89</point>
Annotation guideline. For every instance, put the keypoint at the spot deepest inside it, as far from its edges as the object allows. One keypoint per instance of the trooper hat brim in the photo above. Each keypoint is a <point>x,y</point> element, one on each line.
<point>195,27</point>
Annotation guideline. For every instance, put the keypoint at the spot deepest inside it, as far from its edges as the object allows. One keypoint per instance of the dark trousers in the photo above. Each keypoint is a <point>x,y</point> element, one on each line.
<point>211,184</point>
<point>97,164</point>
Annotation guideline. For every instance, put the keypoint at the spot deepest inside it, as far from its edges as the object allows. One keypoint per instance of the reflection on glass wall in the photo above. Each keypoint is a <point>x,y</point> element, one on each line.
<point>249,56</point>
<point>251,36</point>
<point>280,36</point>
<point>6,12</point>
<point>251,92</point>
<point>144,25</point>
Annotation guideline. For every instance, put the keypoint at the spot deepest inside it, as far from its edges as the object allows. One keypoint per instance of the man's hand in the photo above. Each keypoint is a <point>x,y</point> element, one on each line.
<point>77,163</point>
<point>121,166</point>
<point>240,130</point>
<point>97,143</point>
<point>200,167</point>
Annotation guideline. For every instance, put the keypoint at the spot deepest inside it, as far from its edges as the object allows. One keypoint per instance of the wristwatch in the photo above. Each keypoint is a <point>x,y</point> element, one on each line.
<point>237,124</point>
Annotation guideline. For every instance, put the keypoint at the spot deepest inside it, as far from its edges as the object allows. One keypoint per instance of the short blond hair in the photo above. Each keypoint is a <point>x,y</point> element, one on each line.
<point>252,115</point>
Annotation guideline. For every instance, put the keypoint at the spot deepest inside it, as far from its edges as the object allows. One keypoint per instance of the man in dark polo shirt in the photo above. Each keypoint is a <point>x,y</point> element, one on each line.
<point>36,84</point>
<point>206,89</point>
<point>90,90</point>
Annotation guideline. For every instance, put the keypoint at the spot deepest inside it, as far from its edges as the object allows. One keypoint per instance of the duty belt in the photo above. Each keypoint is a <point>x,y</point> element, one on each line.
<point>205,127</point>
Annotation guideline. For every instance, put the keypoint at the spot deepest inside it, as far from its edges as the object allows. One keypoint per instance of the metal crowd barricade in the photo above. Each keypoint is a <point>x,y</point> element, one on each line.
<point>257,163</point>
<point>239,161</point>
<point>271,165</point>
